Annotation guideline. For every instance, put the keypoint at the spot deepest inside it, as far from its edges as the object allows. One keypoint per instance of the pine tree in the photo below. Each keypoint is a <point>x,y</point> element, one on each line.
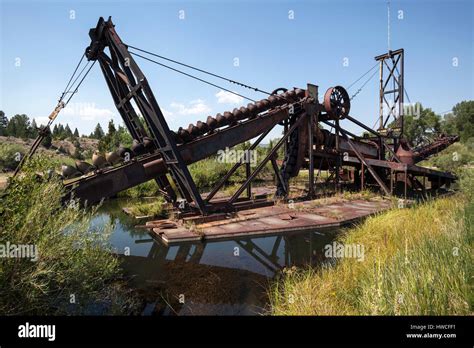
<point>33,131</point>
<point>18,126</point>
<point>61,133</point>
<point>47,141</point>
<point>3,123</point>
<point>76,133</point>
<point>55,131</point>
<point>98,132</point>
<point>67,131</point>
<point>77,154</point>
<point>111,130</point>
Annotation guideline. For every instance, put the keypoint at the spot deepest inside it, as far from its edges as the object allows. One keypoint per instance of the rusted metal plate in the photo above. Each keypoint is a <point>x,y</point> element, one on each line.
<point>402,167</point>
<point>274,220</point>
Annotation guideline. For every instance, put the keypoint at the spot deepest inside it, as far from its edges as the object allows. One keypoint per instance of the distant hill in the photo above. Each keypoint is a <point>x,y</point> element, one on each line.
<point>63,150</point>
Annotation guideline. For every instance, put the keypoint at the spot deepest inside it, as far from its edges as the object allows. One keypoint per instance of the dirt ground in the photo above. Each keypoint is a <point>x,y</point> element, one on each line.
<point>3,180</point>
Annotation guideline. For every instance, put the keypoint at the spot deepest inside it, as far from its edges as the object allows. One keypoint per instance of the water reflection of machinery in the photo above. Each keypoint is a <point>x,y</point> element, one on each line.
<point>224,277</point>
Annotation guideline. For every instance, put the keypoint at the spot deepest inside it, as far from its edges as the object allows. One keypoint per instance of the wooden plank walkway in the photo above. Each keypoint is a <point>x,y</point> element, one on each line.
<point>302,216</point>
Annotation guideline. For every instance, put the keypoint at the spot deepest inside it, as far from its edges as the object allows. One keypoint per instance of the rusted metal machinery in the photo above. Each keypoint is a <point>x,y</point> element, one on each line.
<point>382,159</point>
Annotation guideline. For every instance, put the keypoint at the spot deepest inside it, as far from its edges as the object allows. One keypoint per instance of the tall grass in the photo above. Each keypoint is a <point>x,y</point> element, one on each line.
<point>417,262</point>
<point>75,269</point>
<point>205,173</point>
<point>8,155</point>
<point>156,208</point>
<point>146,189</point>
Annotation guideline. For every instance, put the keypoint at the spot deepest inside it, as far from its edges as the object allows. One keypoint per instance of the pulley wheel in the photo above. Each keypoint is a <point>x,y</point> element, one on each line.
<point>337,103</point>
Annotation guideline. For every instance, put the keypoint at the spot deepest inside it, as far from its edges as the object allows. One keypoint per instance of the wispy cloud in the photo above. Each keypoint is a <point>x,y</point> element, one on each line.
<point>88,112</point>
<point>167,113</point>
<point>224,97</point>
<point>194,107</point>
<point>41,120</point>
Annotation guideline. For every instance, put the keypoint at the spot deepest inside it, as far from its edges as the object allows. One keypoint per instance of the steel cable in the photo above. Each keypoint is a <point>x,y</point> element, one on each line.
<point>192,76</point>
<point>256,89</point>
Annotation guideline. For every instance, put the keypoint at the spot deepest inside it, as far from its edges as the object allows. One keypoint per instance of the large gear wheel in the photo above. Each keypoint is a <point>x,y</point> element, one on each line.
<point>337,103</point>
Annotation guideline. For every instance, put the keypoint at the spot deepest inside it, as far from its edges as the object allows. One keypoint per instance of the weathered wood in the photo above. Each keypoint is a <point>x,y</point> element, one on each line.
<point>277,219</point>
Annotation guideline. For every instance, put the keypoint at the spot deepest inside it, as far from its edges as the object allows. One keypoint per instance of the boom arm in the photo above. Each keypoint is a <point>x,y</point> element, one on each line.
<point>127,83</point>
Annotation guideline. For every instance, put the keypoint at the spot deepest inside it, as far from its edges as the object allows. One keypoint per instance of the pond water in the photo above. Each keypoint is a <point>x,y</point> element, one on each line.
<point>229,277</point>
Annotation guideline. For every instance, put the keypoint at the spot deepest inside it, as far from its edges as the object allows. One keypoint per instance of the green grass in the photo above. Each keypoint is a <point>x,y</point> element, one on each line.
<point>206,174</point>
<point>417,261</point>
<point>75,272</point>
<point>356,195</point>
<point>453,158</point>
<point>154,209</point>
<point>147,189</point>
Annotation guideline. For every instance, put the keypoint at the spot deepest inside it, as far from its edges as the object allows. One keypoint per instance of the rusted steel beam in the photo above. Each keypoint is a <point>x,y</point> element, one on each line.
<point>360,124</point>
<point>401,167</point>
<point>267,158</point>
<point>109,182</point>
<point>366,149</point>
<point>235,167</point>
<point>310,151</point>
<point>395,157</point>
<point>438,144</point>
<point>369,167</point>
<point>278,175</point>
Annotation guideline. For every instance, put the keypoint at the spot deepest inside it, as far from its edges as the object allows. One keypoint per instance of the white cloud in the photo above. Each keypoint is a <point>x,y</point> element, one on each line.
<point>41,120</point>
<point>224,97</point>
<point>194,107</point>
<point>167,113</point>
<point>88,112</point>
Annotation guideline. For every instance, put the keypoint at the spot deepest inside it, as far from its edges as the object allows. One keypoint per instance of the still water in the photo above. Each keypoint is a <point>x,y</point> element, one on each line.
<point>229,277</point>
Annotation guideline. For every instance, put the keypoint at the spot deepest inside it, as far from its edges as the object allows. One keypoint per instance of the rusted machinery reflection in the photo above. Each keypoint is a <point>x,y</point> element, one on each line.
<point>268,254</point>
<point>212,278</point>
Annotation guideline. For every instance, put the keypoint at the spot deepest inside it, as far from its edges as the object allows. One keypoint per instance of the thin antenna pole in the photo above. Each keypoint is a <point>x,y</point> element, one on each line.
<point>388,24</point>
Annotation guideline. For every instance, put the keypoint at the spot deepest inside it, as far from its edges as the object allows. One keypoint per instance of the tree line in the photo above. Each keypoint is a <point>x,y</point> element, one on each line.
<point>425,123</point>
<point>21,126</point>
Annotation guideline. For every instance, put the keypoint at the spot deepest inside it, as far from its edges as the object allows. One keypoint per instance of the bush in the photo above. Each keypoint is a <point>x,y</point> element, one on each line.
<point>8,156</point>
<point>452,158</point>
<point>74,261</point>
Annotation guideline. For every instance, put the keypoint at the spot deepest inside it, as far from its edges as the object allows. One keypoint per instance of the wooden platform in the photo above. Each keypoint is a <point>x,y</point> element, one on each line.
<point>284,218</point>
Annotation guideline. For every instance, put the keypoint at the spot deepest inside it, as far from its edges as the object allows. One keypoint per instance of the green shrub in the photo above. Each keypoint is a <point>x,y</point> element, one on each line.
<point>452,158</point>
<point>74,261</point>
<point>8,156</point>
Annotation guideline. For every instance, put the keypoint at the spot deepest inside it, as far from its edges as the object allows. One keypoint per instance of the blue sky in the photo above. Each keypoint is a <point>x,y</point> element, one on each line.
<point>273,51</point>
